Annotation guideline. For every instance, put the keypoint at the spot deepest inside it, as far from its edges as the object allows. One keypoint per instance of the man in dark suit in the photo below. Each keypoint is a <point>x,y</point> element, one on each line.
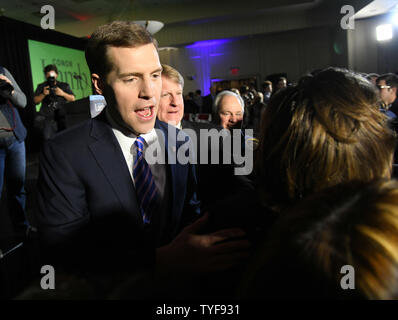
<point>209,99</point>
<point>103,205</point>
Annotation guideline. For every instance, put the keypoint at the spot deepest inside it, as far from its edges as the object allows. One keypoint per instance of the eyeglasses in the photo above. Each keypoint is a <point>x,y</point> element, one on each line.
<point>383,87</point>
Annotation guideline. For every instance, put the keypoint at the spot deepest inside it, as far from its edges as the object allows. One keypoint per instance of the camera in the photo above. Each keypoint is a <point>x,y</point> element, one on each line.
<point>53,105</point>
<point>5,89</point>
<point>51,84</point>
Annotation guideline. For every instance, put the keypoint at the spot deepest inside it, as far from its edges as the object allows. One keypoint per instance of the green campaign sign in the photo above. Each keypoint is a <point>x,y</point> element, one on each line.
<point>71,64</point>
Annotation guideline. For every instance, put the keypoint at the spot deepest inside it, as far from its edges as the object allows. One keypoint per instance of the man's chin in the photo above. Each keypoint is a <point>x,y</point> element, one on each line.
<point>142,128</point>
<point>173,121</point>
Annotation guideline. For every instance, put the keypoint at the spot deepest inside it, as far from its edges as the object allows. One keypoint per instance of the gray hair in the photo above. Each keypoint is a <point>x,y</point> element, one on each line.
<point>220,96</point>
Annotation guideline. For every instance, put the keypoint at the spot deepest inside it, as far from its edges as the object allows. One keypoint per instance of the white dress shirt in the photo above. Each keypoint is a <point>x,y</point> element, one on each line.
<point>126,142</point>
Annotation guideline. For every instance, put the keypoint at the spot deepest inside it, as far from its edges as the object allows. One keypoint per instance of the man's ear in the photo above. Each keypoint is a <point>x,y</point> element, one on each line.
<point>394,90</point>
<point>98,83</point>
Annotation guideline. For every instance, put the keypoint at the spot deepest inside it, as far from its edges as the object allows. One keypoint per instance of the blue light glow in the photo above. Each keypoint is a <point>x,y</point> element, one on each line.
<point>216,54</point>
<point>208,43</point>
<point>216,80</point>
<point>205,65</point>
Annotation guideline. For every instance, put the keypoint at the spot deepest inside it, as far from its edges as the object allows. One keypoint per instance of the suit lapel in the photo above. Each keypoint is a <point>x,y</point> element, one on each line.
<point>108,154</point>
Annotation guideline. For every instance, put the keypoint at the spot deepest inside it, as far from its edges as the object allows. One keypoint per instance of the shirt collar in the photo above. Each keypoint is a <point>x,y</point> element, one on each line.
<point>179,125</point>
<point>149,137</point>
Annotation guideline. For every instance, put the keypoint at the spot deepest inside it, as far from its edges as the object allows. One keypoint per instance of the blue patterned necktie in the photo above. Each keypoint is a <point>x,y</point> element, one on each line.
<point>147,192</point>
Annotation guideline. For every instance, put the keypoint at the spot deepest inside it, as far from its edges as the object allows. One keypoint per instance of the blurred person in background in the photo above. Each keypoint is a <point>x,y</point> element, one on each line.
<point>12,150</point>
<point>280,83</point>
<point>267,90</point>
<point>52,94</point>
<point>198,99</point>
<point>372,77</point>
<point>208,100</point>
<point>234,90</point>
<point>387,85</point>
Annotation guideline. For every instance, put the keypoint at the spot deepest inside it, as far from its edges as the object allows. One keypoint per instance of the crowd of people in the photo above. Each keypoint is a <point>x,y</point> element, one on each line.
<point>251,101</point>
<point>320,199</point>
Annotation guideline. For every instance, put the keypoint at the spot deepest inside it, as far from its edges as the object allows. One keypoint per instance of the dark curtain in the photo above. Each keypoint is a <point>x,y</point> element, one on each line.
<point>14,55</point>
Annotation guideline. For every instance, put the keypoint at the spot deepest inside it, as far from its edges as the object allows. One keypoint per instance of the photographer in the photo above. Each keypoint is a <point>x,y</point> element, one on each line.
<point>53,95</point>
<point>12,149</point>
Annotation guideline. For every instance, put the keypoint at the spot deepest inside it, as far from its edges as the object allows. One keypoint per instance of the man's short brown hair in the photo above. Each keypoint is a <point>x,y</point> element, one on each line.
<point>50,67</point>
<point>117,34</point>
<point>172,74</point>
<point>267,83</point>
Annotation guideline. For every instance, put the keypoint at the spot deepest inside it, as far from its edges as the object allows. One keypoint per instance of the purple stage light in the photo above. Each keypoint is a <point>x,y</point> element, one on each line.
<point>208,43</point>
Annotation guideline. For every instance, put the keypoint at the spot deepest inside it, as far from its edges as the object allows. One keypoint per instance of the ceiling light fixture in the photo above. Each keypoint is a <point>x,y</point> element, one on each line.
<point>151,25</point>
<point>384,32</point>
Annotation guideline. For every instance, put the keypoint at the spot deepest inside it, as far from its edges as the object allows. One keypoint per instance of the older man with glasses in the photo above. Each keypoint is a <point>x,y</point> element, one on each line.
<point>387,85</point>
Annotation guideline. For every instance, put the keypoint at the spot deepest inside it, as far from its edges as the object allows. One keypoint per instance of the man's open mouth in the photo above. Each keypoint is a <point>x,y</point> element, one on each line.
<point>145,113</point>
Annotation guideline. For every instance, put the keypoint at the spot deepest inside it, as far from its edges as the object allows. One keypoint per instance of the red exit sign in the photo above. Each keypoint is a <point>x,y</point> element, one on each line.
<point>234,71</point>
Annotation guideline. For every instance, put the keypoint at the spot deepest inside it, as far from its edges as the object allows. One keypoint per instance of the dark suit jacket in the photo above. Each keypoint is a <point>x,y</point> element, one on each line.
<point>207,104</point>
<point>394,107</point>
<point>215,181</point>
<point>77,111</point>
<point>89,216</point>
<point>231,202</point>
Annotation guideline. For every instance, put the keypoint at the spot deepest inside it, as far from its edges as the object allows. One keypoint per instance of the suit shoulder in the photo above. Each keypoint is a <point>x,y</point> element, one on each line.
<point>73,136</point>
<point>200,125</point>
<point>168,129</point>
